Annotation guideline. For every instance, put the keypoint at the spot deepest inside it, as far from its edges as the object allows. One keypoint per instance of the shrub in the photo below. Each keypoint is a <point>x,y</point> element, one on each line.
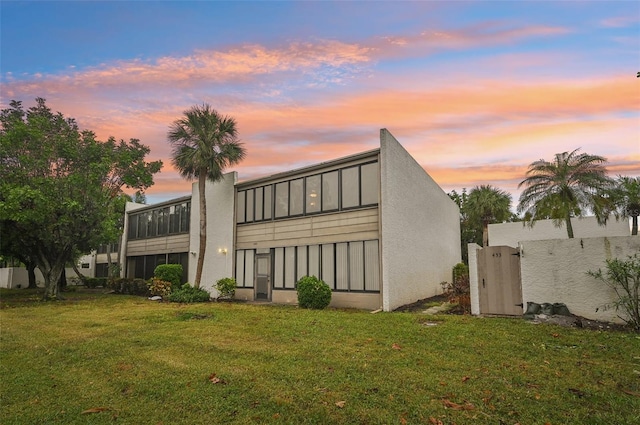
<point>226,287</point>
<point>94,282</point>
<point>159,287</point>
<point>313,293</point>
<point>458,292</point>
<point>189,294</point>
<point>169,273</point>
<point>129,286</point>
<point>624,277</point>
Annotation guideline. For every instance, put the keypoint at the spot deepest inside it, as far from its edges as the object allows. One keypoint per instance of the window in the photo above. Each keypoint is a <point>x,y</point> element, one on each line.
<point>328,265</point>
<point>282,199</point>
<point>296,197</point>
<point>268,205</point>
<point>330,191</point>
<point>241,207</point>
<point>312,196</point>
<point>350,186</point>
<point>259,203</point>
<point>159,222</point>
<point>369,183</point>
<point>250,205</point>
<point>85,265</point>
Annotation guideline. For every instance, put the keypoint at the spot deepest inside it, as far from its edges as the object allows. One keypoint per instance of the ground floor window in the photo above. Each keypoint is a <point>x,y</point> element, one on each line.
<point>143,266</point>
<point>345,266</point>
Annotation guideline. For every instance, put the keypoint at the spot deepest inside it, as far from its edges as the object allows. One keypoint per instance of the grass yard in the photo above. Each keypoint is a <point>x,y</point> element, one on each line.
<point>104,359</point>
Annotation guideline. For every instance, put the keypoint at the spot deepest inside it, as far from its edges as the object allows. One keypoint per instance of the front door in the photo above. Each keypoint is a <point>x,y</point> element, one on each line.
<point>500,290</point>
<point>263,278</point>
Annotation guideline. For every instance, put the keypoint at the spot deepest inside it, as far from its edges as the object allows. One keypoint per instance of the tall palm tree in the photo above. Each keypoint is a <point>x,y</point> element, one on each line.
<point>567,187</point>
<point>624,198</point>
<point>485,205</point>
<point>204,144</point>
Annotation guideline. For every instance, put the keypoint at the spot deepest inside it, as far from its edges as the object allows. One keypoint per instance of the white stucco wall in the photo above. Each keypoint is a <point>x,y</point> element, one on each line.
<point>220,225</point>
<point>556,271</point>
<point>420,228</point>
<point>18,277</point>
<point>474,291</point>
<point>510,234</point>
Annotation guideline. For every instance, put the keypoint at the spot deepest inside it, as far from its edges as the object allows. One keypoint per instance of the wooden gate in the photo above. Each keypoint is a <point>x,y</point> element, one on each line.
<point>499,286</point>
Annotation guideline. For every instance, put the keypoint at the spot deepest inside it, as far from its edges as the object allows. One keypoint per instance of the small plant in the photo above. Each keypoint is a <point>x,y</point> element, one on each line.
<point>94,282</point>
<point>189,294</point>
<point>313,293</point>
<point>129,286</point>
<point>161,288</point>
<point>458,292</point>
<point>169,273</point>
<point>624,277</point>
<point>226,288</point>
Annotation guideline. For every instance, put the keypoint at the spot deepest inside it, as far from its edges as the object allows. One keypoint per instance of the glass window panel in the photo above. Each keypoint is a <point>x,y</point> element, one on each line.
<point>282,199</point>
<point>249,258</point>
<point>142,225</point>
<point>241,203</point>
<point>174,223</point>
<point>356,266</point>
<point>153,224</point>
<point>314,260</point>
<point>296,197</point>
<point>328,272</point>
<point>268,205</point>
<point>249,205</point>
<point>350,187</point>
<point>133,226</point>
<point>371,266</point>
<point>184,217</point>
<point>163,221</point>
<point>342,267</point>
<point>278,272</point>
<point>369,183</point>
<point>312,197</point>
<point>302,262</point>
<point>240,268</point>
<point>259,203</point>
<point>290,267</point>
<point>330,191</point>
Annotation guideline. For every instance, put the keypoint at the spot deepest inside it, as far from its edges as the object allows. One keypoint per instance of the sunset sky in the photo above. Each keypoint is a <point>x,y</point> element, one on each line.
<point>475,91</point>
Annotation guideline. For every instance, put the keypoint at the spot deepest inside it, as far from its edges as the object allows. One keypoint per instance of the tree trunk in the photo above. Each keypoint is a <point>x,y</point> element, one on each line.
<point>62,282</point>
<point>109,272</point>
<point>634,225</point>
<point>80,275</point>
<point>31,272</point>
<point>485,235</point>
<point>51,279</point>
<point>569,227</point>
<point>202,178</point>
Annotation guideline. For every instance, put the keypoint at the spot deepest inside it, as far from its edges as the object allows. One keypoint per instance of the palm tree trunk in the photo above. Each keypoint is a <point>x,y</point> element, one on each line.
<point>569,227</point>
<point>485,234</point>
<point>202,178</point>
<point>634,225</point>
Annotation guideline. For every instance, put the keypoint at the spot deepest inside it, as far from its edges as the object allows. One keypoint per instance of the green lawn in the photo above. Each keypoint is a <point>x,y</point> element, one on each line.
<point>97,358</point>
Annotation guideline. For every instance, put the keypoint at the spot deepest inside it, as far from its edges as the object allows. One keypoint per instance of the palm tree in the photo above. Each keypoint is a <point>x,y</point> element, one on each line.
<point>567,187</point>
<point>625,200</point>
<point>204,144</point>
<point>486,205</point>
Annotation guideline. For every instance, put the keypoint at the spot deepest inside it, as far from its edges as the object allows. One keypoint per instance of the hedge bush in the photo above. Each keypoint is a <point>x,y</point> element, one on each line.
<point>129,286</point>
<point>160,287</point>
<point>313,293</point>
<point>226,287</point>
<point>94,282</point>
<point>189,294</point>
<point>169,273</point>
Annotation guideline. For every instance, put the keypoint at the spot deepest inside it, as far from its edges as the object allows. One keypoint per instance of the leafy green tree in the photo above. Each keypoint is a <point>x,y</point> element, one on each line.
<point>204,144</point>
<point>623,200</point>
<point>58,185</point>
<point>470,232</point>
<point>487,204</point>
<point>570,186</point>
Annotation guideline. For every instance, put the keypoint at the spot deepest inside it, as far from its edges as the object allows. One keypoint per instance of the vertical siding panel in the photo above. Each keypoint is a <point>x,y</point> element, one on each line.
<point>240,268</point>
<point>342,267</point>
<point>278,272</point>
<point>302,262</point>
<point>314,260</point>
<point>372,266</point>
<point>290,267</point>
<point>249,262</point>
<point>356,266</point>
<point>328,272</point>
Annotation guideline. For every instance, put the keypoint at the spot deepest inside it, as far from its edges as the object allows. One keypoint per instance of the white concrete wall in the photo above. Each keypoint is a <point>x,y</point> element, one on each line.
<point>420,228</point>
<point>472,250</point>
<point>220,225</point>
<point>18,277</point>
<point>556,271</point>
<point>510,234</point>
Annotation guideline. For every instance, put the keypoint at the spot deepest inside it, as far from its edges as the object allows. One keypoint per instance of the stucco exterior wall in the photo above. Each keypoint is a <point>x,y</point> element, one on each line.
<point>510,234</point>
<point>220,228</point>
<point>556,271</point>
<point>420,228</point>
<point>18,277</point>
<point>474,292</point>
